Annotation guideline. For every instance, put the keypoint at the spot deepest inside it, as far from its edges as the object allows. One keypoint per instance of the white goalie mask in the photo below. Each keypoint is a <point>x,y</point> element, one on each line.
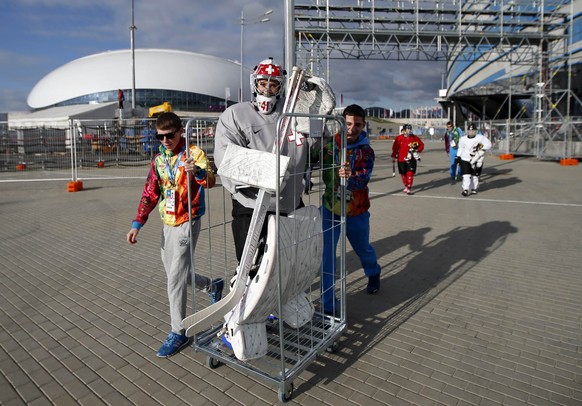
<point>267,85</point>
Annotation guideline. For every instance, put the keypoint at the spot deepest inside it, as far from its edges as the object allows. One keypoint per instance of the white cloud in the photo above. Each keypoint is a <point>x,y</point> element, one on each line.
<point>45,34</point>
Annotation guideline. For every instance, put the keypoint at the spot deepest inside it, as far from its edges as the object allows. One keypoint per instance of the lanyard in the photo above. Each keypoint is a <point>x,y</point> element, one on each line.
<point>172,172</point>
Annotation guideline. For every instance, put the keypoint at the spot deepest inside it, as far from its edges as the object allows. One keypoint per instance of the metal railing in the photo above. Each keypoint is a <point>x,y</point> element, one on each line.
<point>92,147</point>
<point>551,140</point>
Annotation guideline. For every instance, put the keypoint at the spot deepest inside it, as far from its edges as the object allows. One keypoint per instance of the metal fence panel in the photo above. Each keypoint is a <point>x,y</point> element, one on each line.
<point>92,148</point>
<point>548,140</point>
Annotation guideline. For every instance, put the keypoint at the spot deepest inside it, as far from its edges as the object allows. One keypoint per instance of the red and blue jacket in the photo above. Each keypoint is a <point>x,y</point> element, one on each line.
<point>167,172</point>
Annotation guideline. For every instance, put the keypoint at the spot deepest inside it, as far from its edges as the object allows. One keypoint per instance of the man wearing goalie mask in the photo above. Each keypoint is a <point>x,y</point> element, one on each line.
<point>253,124</point>
<point>470,155</point>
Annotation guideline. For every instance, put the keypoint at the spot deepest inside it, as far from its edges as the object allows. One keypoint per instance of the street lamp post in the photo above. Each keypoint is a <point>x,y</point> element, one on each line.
<point>132,28</point>
<point>243,22</point>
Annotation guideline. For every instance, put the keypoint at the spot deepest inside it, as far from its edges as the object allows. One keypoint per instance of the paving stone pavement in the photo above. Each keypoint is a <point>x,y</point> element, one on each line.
<point>480,300</point>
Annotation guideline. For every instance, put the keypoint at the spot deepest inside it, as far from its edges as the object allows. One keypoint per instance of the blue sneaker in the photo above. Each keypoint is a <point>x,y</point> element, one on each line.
<point>173,344</point>
<point>225,341</point>
<point>216,293</point>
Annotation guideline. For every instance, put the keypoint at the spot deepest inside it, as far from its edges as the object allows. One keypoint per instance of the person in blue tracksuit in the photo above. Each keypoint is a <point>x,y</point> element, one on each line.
<point>452,137</point>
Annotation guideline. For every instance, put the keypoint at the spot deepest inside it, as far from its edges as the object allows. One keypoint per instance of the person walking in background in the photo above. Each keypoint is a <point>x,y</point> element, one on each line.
<point>406,149</point>
<point>167,184</point>
<point>471,154</point>
<point>452,136</point>
<point>312,161</point>
<point>120,98</point>
<point>357,172</point>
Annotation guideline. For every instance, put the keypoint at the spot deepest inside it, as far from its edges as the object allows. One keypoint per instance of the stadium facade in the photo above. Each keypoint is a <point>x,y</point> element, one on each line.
<point>189,81</point>
<point>504,82</point>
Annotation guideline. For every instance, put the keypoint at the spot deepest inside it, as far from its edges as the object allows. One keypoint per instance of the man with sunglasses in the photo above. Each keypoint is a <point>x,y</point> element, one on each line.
<point>167,187</point>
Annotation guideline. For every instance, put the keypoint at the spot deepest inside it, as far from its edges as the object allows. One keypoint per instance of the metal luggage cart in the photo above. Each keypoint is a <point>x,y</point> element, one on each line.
<point>290,349</point>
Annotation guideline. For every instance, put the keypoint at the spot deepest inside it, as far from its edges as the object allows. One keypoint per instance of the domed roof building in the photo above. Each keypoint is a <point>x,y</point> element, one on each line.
<point>189,81</point>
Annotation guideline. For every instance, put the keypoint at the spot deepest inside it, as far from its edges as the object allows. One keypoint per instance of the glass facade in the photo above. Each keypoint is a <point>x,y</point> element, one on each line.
<point>183,101</point>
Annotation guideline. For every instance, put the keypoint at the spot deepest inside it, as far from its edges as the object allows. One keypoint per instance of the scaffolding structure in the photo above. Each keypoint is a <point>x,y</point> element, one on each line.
<point>530,42</point>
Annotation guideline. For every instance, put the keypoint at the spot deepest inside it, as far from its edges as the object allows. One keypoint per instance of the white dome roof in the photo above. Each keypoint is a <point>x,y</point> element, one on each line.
<point>154,69</point>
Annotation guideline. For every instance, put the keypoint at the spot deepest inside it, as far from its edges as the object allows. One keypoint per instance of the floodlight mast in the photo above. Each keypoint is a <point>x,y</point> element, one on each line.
<point>132,28</point>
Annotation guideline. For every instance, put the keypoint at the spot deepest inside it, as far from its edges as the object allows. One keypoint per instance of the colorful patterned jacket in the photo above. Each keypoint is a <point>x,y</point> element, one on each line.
<point>162,169</point>
<point>452,138</point>
<point>361,157</point>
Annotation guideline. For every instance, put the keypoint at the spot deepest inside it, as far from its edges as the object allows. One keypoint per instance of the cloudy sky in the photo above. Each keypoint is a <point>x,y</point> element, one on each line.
<point>39,36</point>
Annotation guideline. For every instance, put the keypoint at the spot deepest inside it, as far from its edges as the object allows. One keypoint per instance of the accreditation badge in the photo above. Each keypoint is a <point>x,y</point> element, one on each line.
<point>347,195</point>
<point>170,201</point>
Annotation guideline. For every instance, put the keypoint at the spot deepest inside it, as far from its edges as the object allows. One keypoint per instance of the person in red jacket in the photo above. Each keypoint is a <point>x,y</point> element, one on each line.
<point>406,149</point>
<point>120,98</point>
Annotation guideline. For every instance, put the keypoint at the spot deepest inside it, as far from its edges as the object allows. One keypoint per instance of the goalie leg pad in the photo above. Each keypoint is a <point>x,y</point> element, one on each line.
<point>466,185</point>
<point>298,311</point>
<point>474,182</point>
<point>248,341</point>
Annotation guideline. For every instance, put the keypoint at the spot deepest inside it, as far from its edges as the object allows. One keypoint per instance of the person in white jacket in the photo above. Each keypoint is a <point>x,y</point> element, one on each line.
<point>471,155</point>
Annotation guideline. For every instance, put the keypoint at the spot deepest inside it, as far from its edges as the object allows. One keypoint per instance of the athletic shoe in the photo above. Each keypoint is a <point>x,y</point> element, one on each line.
<point>216,294</point>
<point>173,344</point>
<point>225,341</point>
<point>409,191</point>
<point>474,191</point>
<point>453,181</point>
<point>373,284</point>
<point>406,190</point>
<point>272,318</point>
<point>465,193</point>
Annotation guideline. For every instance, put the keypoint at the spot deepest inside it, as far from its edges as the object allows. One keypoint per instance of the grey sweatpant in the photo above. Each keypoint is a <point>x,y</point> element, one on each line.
<point>177,260</point>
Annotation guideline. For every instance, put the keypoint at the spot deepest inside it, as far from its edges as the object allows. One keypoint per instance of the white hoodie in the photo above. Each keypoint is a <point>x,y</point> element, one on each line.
<point>243,125</point>
<point>467,146</point>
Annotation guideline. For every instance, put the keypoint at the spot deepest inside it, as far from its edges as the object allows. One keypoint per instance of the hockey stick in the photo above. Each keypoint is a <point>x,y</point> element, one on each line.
<point>191,242</point>
<point>393,168</point>
<point>205,318</point>
<point>289,107</point>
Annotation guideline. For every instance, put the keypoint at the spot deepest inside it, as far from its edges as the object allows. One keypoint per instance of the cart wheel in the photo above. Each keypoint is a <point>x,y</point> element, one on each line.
<point>212,363</point>
<point>285,396</point>
<point>333,347</point>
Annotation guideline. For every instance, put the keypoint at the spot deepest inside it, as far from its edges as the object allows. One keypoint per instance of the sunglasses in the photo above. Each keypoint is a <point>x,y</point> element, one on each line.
<point>166,135</point>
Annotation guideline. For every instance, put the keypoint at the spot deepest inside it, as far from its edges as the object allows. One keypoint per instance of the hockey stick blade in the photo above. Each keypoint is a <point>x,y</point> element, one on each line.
<point>204,319</point>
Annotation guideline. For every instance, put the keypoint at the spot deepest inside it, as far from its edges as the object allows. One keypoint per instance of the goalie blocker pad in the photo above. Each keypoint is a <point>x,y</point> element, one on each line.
<point>300,255</point>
